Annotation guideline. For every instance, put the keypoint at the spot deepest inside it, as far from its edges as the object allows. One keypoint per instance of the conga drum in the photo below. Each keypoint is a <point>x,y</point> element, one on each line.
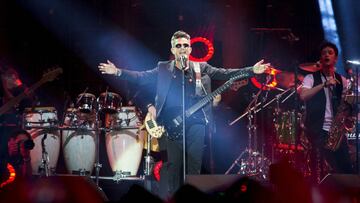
<point>124,143</point>
<point>78,144</point>
<point>46,139</point>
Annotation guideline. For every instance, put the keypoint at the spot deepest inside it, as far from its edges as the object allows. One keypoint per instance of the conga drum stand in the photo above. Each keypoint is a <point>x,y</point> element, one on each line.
<point>97,164</point>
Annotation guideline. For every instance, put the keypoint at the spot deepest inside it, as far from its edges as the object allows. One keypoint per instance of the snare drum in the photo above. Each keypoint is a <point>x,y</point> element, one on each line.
<point>124,146</point>
<point>109,102</point>
<point>41,122</point>
<point>86,102</point>
<point>78,145</point>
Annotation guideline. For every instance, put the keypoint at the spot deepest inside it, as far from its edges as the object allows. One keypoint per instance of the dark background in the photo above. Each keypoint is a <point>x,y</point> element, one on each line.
<point>79,34</point>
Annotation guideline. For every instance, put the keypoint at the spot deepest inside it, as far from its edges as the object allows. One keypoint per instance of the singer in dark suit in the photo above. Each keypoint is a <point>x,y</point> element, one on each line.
<point>322,91</point>
<point>167,76</point>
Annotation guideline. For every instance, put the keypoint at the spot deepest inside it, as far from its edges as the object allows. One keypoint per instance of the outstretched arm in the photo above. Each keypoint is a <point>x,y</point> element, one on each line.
<point>109,68</point>
<point>225,74</point>
<point>141,77</point>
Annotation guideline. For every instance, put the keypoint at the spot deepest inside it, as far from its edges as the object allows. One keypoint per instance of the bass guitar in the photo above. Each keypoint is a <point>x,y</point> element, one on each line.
<point>47,77</point>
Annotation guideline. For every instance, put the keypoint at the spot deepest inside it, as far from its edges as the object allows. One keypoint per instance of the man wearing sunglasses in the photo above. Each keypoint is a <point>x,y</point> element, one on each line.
<point>167,78</point>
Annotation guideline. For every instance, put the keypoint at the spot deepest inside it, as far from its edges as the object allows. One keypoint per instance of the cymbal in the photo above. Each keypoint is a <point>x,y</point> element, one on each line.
<point>310,67</point>
<point>287,79</point>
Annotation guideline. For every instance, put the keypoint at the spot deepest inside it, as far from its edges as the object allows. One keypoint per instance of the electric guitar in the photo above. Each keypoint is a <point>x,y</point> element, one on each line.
<point>47,77</point>
<point>173,126</point>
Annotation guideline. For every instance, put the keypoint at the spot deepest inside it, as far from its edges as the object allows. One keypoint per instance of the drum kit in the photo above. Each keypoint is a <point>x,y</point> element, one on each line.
<point>77,135</point>
<point>289,137</point>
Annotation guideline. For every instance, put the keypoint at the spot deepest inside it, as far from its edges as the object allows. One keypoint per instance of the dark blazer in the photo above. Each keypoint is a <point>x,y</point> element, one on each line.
<point>163,73</point>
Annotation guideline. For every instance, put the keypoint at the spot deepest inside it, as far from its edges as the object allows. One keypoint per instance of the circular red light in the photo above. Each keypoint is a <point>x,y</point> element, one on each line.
<point>210,49</point>
<point>272,84</point>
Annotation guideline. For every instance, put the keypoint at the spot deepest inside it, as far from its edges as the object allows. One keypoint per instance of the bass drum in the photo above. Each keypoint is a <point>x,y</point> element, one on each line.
<point>125,144</point>
<point>33,120</point>
<point>79,145</point>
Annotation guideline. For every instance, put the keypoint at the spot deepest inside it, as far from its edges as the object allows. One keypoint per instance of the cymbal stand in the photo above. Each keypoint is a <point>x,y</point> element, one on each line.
<point>254,163</point>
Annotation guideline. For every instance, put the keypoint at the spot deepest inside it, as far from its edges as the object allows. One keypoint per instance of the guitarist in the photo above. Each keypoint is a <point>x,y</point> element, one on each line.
<point>167,78</point>
<point>10,87</point>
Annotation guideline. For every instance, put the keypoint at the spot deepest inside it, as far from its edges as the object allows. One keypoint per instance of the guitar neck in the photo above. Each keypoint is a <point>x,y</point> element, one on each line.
<point>207,99</point>
<point>18,98</point>
<point>213,94</point>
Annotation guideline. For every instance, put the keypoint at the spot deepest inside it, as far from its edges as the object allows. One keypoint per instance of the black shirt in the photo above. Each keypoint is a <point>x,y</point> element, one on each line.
<point>173,102</point>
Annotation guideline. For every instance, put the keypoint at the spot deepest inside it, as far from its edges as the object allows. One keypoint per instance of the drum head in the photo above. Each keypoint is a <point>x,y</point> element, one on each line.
<point>109,102</point>
<point>86,102</point>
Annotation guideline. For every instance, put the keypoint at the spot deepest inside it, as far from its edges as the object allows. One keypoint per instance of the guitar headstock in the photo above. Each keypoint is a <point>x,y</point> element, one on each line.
<point>51,74</point>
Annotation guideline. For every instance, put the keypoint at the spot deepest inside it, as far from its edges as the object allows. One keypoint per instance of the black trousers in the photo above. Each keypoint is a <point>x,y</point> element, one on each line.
<point>171,174</point>
<point>336,161</point>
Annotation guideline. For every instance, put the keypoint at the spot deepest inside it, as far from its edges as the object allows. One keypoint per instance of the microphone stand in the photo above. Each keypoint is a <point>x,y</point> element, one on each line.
<point>184,121</point>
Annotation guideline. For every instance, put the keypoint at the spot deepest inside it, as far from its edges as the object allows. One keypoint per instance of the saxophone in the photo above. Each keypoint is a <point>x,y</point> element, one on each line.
<point>344,120</point>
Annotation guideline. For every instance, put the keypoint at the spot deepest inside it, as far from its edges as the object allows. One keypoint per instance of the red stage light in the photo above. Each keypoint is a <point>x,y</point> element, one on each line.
<point>272,84</point>
<point>243,188</point>
<point>210,49</point>
<point>157,169</point>
<point>12,175</point>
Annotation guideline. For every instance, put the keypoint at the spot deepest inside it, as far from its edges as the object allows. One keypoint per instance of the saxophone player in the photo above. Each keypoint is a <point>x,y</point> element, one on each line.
<point>322,92</point>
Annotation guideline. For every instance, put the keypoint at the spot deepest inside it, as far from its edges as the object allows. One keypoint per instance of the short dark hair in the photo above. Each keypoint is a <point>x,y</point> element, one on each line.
<point>179,34</point>
<point>329,44</point>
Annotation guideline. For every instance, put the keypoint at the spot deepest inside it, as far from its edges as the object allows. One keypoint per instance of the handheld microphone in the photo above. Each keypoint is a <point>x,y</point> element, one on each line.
<point>183,62</point>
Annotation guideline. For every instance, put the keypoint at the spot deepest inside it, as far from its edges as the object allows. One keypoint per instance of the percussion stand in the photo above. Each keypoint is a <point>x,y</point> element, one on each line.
<point>149,161</point>
<point>44,167</point>
<point>97,164</point>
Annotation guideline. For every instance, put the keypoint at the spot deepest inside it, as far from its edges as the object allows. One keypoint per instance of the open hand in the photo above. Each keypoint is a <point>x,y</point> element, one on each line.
<point>108,68</point>
<point>260,67</point>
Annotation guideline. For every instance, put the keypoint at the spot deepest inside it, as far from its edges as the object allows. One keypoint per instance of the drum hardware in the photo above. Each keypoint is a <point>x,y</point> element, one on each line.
<point>118,179</point>
<point>44,167</point>
<point>149,160</point>
<point>97,164</point>
<point>81,172</point>
<point>119,175</point>
<point>250,161</point>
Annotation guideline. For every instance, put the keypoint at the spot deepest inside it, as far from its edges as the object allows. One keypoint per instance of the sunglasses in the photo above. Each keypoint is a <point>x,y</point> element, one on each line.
<point>182,45</point>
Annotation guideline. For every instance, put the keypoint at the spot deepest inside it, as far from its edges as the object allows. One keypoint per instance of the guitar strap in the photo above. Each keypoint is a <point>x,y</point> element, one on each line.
<point>198,83</point>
